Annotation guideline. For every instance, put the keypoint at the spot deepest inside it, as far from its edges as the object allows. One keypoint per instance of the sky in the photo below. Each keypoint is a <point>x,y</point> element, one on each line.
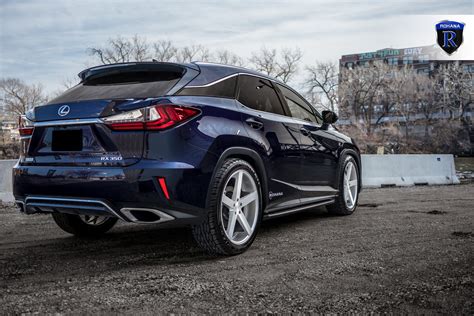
<point>46,41</point>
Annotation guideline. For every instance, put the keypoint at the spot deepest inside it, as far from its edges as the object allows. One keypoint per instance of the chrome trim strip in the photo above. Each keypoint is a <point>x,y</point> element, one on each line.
<point>312,188</point>
<point>163,216</point>
<point>214,82</point>
<point>45,198</point>
<point>233,75</point>
<point>69,122</point>
<point>298,209</point>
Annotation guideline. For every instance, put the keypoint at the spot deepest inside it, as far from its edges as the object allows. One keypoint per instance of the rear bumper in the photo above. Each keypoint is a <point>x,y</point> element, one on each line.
<point>49,204</point>
<point>117,192</point>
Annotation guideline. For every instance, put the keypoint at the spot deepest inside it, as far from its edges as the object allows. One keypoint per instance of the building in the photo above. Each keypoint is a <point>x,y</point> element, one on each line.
<point>424,59</point>
<point>9,132</point>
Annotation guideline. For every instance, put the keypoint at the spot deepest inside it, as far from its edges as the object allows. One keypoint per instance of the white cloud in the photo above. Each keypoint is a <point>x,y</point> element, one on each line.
<point>46,41</point>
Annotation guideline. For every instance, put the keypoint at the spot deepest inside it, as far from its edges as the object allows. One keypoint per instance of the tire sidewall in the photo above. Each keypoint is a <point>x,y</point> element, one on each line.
<point>346,160</point>
<point>225,242</point>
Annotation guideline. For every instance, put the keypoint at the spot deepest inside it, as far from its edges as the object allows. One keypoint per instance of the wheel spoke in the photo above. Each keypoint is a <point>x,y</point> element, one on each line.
<point>227,201</point>
<point>231,223</point>
<point>244,223</point>
<point>349,170</point>
<point>249,198</point>
<point>237,186</point>
<point>239,212</point>
<point>349,192</point>
<point>352,183</point>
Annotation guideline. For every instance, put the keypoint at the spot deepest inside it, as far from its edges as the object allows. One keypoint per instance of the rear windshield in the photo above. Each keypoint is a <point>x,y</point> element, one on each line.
<point>122,85</point>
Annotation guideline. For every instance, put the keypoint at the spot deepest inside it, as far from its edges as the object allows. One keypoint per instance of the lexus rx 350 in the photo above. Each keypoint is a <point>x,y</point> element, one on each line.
<point>214,147</point>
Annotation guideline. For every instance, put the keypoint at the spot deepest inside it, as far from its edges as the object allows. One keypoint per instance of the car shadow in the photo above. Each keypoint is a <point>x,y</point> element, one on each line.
<point>125,247</point>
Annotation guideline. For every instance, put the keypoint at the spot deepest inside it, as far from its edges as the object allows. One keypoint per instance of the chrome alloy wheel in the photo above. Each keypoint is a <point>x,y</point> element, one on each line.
<point>350,185</point>
<point>93,220</point>
<point>240,207</point>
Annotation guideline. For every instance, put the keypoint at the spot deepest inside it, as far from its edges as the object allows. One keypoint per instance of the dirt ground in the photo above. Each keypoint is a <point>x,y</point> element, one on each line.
<point>405,250</point>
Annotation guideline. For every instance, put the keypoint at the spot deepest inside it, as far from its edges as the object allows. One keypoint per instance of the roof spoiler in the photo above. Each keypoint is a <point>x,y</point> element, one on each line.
<point>134,66</point>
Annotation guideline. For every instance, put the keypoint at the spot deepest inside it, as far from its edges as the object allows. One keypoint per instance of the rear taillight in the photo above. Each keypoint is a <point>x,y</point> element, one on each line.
<point>157,117</point>
<point>25,126</point>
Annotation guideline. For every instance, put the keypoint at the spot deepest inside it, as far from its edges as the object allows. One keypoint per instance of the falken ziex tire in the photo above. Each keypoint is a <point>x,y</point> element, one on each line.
<point>210,234</point>
<point>340,207</point>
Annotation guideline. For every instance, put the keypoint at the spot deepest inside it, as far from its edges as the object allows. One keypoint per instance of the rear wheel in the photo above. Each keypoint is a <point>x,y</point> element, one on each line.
<point>84,225</point>
<point>346,202</point>
<point>235,211</point>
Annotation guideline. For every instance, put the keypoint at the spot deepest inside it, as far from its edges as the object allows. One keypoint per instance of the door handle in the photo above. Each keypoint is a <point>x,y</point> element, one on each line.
<point>255,124</point>
<point>305,132</point>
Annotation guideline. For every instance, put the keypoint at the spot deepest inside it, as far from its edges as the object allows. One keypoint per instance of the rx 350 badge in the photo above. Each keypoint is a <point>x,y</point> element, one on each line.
<point>449,35</point>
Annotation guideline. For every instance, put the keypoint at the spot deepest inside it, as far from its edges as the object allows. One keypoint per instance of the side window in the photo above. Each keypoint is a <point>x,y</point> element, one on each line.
<point>259,94</point>
<point>298,107</point>
<point>223,89</point>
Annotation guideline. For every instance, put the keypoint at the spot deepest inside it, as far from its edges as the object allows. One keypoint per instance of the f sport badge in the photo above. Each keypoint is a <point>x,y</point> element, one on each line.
<point>449,35</point>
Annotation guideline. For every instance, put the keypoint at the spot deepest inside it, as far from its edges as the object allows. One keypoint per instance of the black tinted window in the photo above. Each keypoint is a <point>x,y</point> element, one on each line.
<point>298,107</point>
<point>129,85</point>
<point>224,89</point>
<point>259,94</point>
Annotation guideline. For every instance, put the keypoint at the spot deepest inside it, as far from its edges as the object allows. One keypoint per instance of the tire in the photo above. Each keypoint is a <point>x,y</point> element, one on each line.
<point>342,206</point>
<point>213,233</point>
<point>74,225</point>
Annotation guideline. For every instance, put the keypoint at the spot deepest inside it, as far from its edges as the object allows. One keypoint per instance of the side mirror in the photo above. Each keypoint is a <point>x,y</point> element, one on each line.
<point>329,117</point>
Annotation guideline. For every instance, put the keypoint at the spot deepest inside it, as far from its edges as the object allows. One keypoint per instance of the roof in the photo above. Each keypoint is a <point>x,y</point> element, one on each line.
<point>209,72</point>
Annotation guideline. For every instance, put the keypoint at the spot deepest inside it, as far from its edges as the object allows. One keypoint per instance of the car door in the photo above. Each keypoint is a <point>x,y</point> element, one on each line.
<point>319,149</point>
<point>276,137</point>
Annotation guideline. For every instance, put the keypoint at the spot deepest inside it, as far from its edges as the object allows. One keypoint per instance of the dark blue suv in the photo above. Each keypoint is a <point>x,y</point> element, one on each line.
<point>215,147</point>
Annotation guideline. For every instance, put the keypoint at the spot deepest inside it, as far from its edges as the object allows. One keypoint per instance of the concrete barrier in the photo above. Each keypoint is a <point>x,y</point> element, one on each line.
<point>407,170</point>
<point>377,171</point>
<point>6,180</point>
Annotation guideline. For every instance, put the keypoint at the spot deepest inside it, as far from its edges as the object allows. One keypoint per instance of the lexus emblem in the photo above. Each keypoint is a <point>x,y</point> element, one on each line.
<point>64,110</point>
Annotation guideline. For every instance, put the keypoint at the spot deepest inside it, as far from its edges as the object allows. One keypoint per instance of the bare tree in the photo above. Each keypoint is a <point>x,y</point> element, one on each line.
<point>288,64</point>
<point>457,89</point>
<point>283,65</point>
<point>264,60</point>
<point>323,81</point>
<point>165,51</point>
<point>361,90</point>
<point>17,97</point>
<point>191,53</point>
<point>403,94</point>
<point>228,58</point>
<point>122,49</point>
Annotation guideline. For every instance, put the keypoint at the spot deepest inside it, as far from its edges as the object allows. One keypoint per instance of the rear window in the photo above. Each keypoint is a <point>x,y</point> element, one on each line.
<point>121,85</point>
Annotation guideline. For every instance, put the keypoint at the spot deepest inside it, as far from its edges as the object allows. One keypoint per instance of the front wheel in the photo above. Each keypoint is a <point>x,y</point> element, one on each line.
<point>346,201</point>
<point>84,225</point>
<point>235,211</point>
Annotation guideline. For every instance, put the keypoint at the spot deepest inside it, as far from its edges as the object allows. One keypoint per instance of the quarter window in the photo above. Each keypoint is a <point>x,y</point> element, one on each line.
<point>223,89</point>
<point>259,94</point>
